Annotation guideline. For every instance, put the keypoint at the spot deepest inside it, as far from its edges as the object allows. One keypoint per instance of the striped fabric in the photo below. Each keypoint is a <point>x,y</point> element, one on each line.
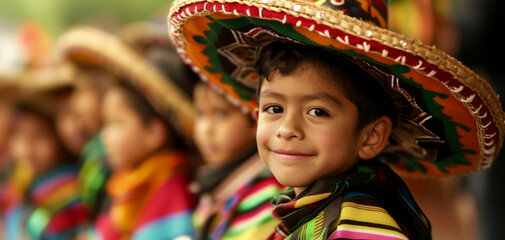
<point>368,202</point>
<point>52,211</point>
<point>248,213</point>
<point>149,202</point>
<point>362,217</point>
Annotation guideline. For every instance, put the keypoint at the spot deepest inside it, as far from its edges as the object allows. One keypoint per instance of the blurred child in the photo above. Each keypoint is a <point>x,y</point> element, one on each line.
<point>51,208</point>
<point>235,186</point>
<point>148,186</point>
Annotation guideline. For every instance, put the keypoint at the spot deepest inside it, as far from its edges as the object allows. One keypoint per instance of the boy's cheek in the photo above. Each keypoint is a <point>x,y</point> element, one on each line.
<point>263,134</point>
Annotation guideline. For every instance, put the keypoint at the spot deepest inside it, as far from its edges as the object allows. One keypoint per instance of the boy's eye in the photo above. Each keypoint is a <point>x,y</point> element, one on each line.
<point>273,109</point>
<point>317,112</point>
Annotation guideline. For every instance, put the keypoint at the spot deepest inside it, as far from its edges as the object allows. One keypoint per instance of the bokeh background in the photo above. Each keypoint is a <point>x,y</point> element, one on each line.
<point>470,30</point>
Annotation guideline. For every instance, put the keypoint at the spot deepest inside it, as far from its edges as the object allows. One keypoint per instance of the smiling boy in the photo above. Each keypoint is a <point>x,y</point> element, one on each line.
<point>321,118</point>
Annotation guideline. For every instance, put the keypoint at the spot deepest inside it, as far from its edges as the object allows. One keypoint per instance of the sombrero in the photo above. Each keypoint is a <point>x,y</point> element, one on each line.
<point>150,39</point>
<point>458,123</point>
<point>88,46</point>
<point>45,81</point>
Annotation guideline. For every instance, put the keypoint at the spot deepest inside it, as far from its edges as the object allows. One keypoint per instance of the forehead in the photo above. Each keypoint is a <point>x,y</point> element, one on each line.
<point>307,79</point>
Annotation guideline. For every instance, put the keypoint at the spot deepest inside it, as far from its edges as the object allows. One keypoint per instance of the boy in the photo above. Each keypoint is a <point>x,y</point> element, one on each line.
<point>448,120</point>
<point>149,179</point>
<point>324,119</point>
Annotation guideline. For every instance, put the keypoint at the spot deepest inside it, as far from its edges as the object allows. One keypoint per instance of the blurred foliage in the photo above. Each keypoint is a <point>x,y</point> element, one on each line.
<point>57,15</point>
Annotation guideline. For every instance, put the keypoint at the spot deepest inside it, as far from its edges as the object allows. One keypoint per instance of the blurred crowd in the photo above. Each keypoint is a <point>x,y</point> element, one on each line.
<point>98,122</point>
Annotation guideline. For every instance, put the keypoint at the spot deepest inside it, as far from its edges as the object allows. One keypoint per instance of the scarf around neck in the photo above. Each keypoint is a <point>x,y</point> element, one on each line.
<point>130,189</point>
<point>325,196</point>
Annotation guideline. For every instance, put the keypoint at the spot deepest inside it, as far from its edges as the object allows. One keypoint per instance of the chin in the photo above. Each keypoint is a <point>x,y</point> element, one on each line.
<point>294,182</point>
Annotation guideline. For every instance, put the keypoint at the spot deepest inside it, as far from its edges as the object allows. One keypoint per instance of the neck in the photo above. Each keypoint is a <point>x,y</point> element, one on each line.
<point>298,190</point>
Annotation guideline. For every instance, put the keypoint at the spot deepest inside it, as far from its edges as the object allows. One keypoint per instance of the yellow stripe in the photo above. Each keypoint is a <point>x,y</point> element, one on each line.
<point>364,213</point>
<point>311,199</point>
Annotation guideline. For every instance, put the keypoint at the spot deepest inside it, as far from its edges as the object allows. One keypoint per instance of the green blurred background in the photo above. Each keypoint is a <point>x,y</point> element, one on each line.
<point>56,15</point>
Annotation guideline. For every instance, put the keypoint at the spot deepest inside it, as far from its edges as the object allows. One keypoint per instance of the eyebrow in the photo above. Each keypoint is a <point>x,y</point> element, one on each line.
<point>317,96</point>
<point>322,96</point>
<point>270,94</point>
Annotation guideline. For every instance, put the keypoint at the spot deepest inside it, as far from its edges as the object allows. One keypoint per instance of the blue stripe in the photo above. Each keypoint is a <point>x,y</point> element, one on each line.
<point>13,222</point>
<point>167,227</point>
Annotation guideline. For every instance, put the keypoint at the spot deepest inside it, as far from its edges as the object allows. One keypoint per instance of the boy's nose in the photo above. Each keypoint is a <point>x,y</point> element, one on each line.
<point>290,128</point>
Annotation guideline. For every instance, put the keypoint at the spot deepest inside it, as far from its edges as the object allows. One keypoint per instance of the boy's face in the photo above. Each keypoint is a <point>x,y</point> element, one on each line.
<point>124,133</point>
<point>306,127</point>
<point>35,143</point>
<point>222,131</point>
<point>78,119</point>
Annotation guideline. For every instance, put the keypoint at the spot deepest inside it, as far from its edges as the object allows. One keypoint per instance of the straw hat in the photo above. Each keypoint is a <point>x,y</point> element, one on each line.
<point>91,47</point>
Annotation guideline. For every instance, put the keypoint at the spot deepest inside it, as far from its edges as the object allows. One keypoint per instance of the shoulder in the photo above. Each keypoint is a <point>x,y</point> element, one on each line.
<point>259,190</point>
<point>173,194</point>
<point>363,217</point>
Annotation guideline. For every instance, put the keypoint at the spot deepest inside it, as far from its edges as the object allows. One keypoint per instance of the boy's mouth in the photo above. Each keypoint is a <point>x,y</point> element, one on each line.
<point>292,154</point>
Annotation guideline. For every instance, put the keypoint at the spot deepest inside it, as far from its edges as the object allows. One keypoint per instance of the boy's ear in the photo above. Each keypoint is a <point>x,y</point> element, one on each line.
<point>157,134</point>
<point>376,135</point>
<point>256,114</point>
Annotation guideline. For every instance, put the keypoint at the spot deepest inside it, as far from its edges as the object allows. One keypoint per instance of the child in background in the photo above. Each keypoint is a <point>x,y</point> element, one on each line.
<point>333,83</point>
<point>149,160</point>
<point>148,186</point>
<point>52,208</point>
<point>235,187</point>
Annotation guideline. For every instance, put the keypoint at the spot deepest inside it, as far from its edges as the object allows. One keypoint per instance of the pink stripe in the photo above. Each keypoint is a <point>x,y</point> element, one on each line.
<point>361,235</point>
<point>46,188</point>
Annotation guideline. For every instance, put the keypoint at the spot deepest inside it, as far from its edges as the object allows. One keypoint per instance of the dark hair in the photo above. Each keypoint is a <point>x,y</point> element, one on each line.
<point>147,113</point>
<point>45,110</point>
<point>361,86</point>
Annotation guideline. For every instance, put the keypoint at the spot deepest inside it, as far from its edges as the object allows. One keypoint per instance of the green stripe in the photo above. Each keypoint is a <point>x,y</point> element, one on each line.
<point>258,198</point>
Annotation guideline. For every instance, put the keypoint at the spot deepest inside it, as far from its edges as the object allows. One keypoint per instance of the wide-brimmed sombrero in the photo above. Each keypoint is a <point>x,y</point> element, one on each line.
<point>458,123</point>
<point>150,39</point>
<point>92,47</point>
<point>47,80</point>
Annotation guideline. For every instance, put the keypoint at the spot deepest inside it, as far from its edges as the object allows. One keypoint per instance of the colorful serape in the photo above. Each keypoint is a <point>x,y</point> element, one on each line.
<point>247,214</point>
<point>149,202</point>
<point>368,202</point>
<point>53,209</point>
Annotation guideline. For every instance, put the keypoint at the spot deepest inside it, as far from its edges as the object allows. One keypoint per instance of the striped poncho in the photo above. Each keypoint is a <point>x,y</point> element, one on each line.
<point>150,201</point>
<point>53,209</point>
<point>367,202</point>
<point>243,211</point>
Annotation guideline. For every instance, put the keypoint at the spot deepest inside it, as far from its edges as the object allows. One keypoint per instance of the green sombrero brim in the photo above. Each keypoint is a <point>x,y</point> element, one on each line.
<point>461,117</point>
<point>90,46</point>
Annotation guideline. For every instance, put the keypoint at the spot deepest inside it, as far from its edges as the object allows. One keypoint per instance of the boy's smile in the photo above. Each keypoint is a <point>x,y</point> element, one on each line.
<point>306,127</point>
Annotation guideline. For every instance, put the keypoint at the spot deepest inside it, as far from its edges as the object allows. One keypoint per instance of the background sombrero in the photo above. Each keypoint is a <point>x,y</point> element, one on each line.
<point>87,46</point>
<point>458,122</point>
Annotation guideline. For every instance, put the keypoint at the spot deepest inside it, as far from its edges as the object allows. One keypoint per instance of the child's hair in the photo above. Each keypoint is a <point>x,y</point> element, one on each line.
<point>147,113</point>
<point>362,87</point>
<point>36,107</point>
